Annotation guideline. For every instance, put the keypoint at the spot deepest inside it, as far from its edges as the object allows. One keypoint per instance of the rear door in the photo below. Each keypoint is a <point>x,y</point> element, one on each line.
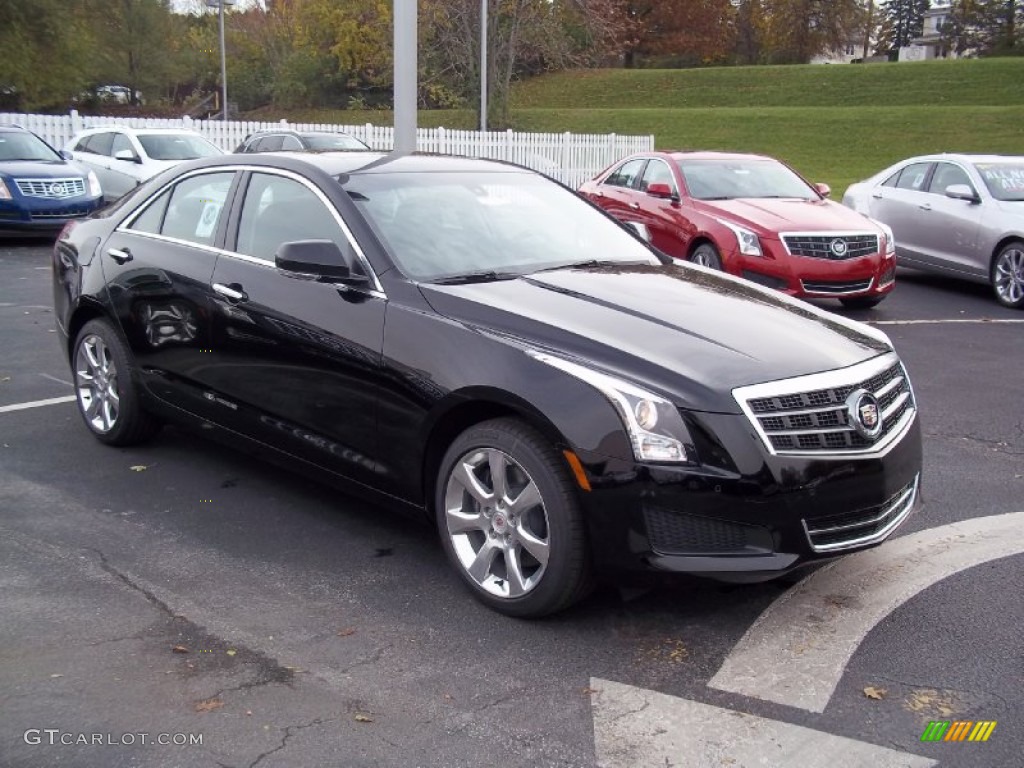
<point>158,265</point>
<point>617,194</point>
<point>122,172</point>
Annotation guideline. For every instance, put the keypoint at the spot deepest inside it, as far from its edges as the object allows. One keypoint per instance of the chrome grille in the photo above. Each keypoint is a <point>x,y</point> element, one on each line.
<point>54,189</point>
<point>75,212</point>
<point>833,246</point>
<point>864,526</point>
<point>810,414</point>
<point>837,287</point>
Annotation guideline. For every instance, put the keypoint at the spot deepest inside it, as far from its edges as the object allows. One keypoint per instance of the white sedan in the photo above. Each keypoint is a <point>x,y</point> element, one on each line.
<point>125,157</point>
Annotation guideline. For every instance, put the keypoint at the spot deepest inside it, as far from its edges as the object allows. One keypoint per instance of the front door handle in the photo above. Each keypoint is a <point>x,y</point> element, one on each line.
<point>232,292</point>
<point>635,206</point>
<point>925,206</point>
<point>120,255</point>
<point>876,195</point>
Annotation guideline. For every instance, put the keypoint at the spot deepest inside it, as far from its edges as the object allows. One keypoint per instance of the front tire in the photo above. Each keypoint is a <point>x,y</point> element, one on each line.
<point>707,255</point>
<point>106,394</point>
<point>510,521</point>
<point>1008,275</point>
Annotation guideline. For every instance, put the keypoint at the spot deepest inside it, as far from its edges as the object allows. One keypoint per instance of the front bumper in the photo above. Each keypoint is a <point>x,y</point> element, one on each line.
<point>756,519</point>
<point>43,215</point>
<point>805,277</point>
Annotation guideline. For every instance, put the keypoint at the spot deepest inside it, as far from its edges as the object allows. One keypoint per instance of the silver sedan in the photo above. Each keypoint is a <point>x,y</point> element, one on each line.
<point>960,215</point>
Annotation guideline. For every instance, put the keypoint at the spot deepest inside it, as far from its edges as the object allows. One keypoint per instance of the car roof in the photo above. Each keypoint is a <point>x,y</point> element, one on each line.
<point>705,154</point>
<point>351,163</point>
<point>8,128</point>
<point>294,132</point>
<point>962,157</point>
<point>139,131</point>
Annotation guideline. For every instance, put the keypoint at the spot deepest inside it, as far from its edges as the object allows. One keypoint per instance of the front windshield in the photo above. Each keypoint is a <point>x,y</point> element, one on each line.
<point>442,225</point>
<point>1004,179</point>
<point>334,142</point>
<point>725,179</point>
<point>176,146</point>
<point>25,146</point>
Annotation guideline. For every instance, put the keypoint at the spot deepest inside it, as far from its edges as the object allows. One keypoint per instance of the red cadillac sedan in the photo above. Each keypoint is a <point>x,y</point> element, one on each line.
<point>753,217</point>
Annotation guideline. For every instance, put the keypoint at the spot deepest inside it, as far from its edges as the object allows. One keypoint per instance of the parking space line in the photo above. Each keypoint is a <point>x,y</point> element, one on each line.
<point>951,321</point>
<point>37,404</point>
<point>797,650</point>
<point>54,378</point>
<point>638,728</point>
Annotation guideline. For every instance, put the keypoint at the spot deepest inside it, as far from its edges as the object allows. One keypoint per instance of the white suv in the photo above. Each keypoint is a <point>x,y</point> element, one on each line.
<point>125,157</point>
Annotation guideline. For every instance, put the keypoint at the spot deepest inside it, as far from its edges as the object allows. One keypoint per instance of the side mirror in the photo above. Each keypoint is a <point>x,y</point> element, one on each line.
<point>640,229</point>
<point>322,259</point>
<point>962,192</point>
<point>659,189</point>
<point>823,189</point>
<point>127,154</point>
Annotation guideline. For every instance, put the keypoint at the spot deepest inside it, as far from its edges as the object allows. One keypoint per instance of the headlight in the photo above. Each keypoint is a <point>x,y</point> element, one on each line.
<point>748,242</point>
<point>5,194</point>
<point>890,239</point>
<point>655,428</point>
<point>94,185</point>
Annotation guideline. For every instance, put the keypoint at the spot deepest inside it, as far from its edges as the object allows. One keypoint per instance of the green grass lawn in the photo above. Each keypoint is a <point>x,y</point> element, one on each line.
<point>833,123</point>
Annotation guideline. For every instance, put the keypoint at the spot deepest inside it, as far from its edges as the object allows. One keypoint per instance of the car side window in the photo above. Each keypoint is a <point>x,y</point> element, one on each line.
<point>625,174</point>
<point>290,142</point>
<point>280,210</point>
<point>100,143</point>
<point>914,176</point>
<point>657,172</point>
<point>195,207</point>
<point>151,219</point>
<point>121,143</point>
<point>892,180</point>
<point>271,143</point>
<point>947,174</point>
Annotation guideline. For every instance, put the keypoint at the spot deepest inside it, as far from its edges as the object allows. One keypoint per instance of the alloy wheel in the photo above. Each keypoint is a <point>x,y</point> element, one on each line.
<point>1009,276</point>
<point>96,383</point>
<point>497,523</point>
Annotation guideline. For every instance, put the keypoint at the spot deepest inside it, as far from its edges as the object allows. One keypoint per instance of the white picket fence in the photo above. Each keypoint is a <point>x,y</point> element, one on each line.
<point>572,158</point>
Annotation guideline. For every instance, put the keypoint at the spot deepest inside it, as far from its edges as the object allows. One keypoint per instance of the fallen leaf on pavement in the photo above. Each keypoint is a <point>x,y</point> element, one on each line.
<point>208,705</point>
<point>231,651</point>
<point>361,718</point>
<point>346,632</point>
<point>588,691</point>
<point>6,378</point>
<point>179,649</point>
<point>875,693</point>
<point>57,675</point>
<point>138,468</point>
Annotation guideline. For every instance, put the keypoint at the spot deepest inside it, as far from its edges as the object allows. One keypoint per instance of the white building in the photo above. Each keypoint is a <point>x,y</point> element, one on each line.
<point>929,44</point>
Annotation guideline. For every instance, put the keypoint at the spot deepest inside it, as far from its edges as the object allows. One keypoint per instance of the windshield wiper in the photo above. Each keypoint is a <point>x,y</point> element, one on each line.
<point>485,276</point>
<point>591,263</point>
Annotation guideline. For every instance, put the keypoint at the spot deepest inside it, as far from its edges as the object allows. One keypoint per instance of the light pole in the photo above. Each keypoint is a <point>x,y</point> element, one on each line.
<point>483,65</point>
<point>223,56</point>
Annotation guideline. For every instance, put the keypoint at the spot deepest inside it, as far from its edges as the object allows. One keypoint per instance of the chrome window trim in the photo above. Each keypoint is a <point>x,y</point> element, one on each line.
<point>833,234</point>
<point>851,375</point>
<point>125,225</point>
<point>908,498</point>
<point>675,188</point>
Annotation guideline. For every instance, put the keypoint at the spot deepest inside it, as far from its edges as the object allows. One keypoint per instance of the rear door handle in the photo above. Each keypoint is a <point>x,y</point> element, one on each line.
<point>925,206</point>
<point>876,195</point>
<point>232,292</point>
<point>120,255</point>
<point>635,206</point>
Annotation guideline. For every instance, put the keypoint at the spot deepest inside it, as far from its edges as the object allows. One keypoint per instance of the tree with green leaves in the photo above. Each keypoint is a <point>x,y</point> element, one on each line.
<point>901,22</point>
<point>794,31</point>
<point>985,28</point>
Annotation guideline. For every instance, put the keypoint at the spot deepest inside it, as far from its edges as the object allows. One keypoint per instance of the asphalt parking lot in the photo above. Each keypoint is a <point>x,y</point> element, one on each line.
<point>180,590</point>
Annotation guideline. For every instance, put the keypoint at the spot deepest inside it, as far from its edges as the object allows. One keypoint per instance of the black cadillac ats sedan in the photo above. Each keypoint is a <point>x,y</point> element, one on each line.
<point>472,340</point>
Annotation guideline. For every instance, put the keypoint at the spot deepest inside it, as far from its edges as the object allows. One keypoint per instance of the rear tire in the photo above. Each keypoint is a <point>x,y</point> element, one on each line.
<point>1008,275</point>
<point>510,522</point>
<point>862,302</point>
<point>707,255</point>
<point>104,384</point>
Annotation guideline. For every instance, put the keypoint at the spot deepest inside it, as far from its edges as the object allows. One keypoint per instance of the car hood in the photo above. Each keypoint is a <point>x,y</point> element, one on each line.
<point>690,333</point>
<point>767,215</point>
<point>40,169</point>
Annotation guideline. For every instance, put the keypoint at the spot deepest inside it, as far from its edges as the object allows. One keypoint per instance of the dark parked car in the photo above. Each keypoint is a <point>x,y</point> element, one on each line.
<point>40,190</point>
<point>474,342</point>
<point>753,217</point>
<point>316,141</point>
